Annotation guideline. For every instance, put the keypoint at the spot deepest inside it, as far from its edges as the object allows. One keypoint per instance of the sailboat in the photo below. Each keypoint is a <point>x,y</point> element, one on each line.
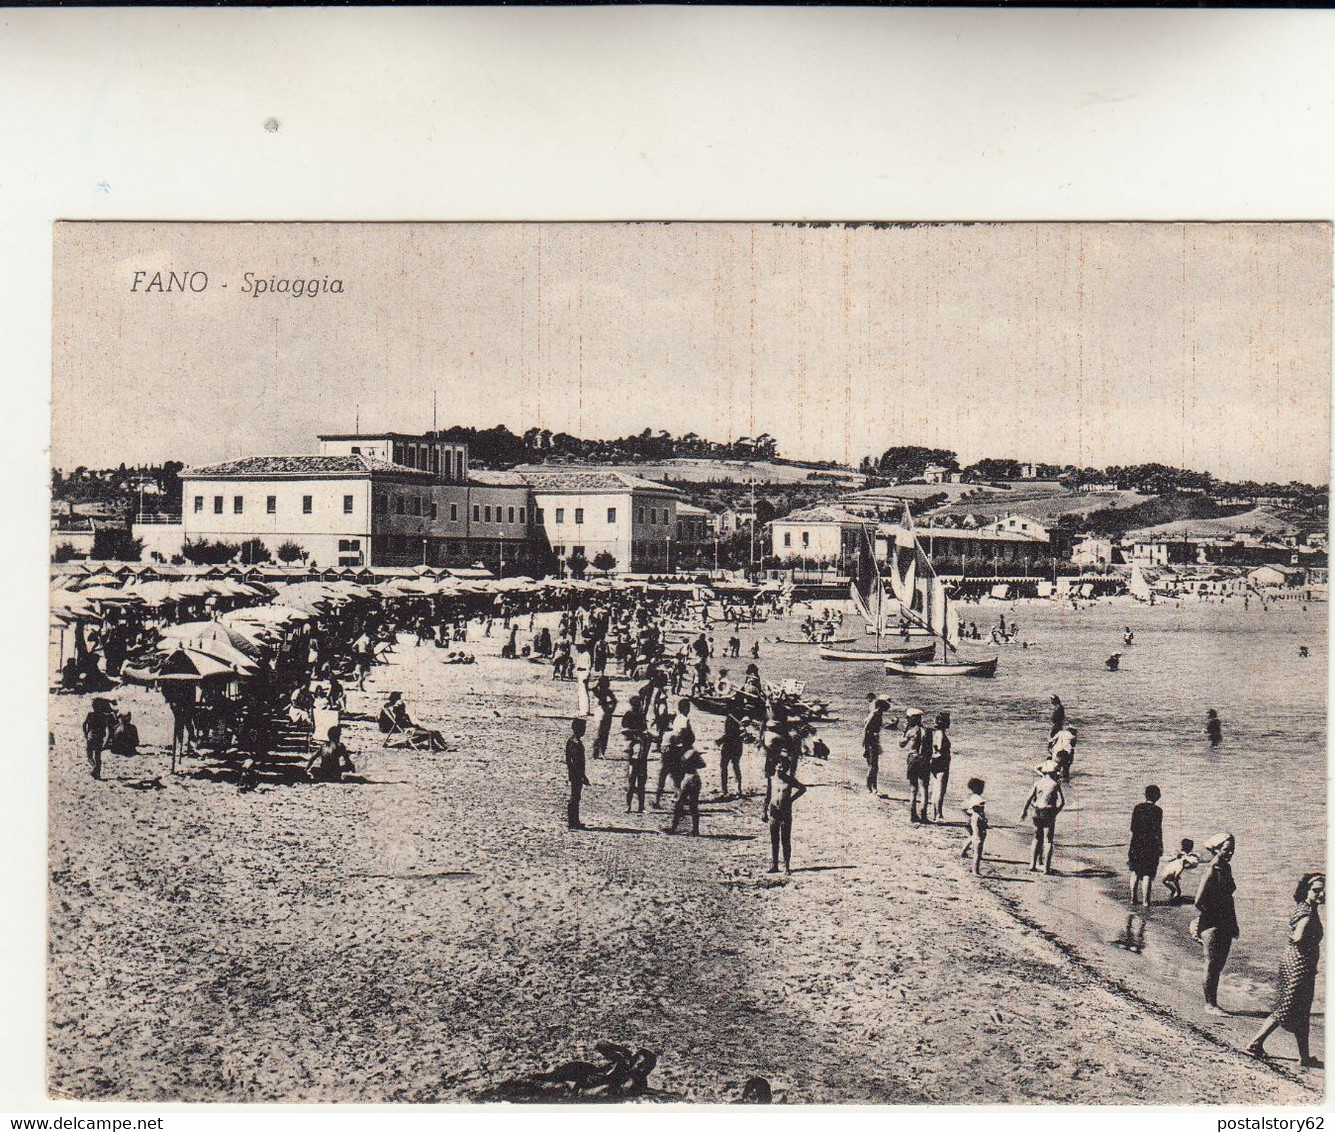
<point>871,607</point>
<point>920,582</point>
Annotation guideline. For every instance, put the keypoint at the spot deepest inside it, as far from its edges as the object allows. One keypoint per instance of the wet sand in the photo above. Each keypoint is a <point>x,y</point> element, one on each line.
<point>435,929</point>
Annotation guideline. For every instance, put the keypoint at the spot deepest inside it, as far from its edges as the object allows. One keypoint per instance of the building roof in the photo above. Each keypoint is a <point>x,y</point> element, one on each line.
<point>272,467</point>
<point>419,437</point>
<point>592,480</point>
<point>690,509</point>
<point>486,477</point>
<point>824,515</point>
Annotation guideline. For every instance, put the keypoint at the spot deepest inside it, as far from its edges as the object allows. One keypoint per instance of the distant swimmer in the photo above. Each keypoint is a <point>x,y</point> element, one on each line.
<point>1302,651</point>
<point>1128,637</point>
<point>1214,730</point>
<point>1114,662</point>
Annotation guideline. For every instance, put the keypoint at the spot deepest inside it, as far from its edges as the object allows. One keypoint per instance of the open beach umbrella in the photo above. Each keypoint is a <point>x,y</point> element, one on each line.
<point>205,634</point>
<point>109,596</point>
<point>101,578</point>
<point>70,606</point>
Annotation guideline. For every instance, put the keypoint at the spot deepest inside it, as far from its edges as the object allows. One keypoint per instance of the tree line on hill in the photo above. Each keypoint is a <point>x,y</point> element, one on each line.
<point>498,447</point>
<point>904,463</point>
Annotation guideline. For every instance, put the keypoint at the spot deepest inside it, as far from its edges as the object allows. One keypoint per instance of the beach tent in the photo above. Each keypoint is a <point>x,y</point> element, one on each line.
<point>1086,589</point>
<point>1001,592</point>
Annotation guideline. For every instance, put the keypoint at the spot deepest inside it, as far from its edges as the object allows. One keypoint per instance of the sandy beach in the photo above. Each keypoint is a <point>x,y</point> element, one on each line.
<point>428,932</point>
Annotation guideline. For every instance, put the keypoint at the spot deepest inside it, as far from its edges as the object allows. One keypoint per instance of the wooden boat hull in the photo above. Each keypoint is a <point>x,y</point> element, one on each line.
<point>891,633</point>
<point>806,641</point>
<point>923,652</point>
<point>952,668</point>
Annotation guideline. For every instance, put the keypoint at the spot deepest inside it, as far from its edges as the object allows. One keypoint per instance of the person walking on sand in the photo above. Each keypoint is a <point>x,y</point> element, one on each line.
<point>636,731</point>
<point>730,748</point>
<point>871,738</point>
<point>575,771</point>
<point>1146,848</point>
<point>782,790</point>
<point>1216,924</point>
<point>98,727</point>
<point>975,811</point>
<point>1214,730</point>
<point>940,761</point>
<point>1046,800</point>
<point>606,700</point>
<point>688,794</point>
<point>678,739</point>
<point>1297,972</point>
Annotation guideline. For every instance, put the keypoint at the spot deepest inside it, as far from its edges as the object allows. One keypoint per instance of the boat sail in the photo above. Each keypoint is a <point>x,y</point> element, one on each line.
<point>931,596</point>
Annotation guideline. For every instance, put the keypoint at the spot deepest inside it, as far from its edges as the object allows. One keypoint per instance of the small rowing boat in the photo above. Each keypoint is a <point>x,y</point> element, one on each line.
<point>922,652</point>
<point>928,667</point>
<point>811,641</point>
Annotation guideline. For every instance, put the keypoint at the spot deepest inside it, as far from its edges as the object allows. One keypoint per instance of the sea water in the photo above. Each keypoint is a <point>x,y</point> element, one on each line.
<point>1142,724</point>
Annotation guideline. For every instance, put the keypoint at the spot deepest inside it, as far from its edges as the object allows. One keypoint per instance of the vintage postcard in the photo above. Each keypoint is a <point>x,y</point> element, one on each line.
<point>689,662</point>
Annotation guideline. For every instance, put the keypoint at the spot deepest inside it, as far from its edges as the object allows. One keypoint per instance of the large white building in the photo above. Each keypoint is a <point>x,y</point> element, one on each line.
<point>351,506</point>
<point>824,535</point>
<point>591,511</point>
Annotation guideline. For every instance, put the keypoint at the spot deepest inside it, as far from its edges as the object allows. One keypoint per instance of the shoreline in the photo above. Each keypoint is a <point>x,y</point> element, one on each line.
<point>436,930</point>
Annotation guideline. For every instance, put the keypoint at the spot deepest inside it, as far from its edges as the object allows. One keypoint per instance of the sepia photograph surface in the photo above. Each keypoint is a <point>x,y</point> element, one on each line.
<point>839,663</point>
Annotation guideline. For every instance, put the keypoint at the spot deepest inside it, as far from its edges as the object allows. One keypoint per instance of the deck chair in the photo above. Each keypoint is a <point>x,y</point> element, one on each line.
<point>408,738</point>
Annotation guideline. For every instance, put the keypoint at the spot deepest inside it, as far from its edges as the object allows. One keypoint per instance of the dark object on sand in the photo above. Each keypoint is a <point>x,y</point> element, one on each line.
<point>621,1074</point>
<point>757,1091</point>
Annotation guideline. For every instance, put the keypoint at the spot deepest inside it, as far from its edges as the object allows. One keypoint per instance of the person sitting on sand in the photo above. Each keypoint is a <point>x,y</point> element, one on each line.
<point>975,811</point>
<point>330,761</point>
<point>1171,877</point>
<point>1046,800</point>
<point>125,736</point>
<point>394,717</point>
<point>1114,662</point>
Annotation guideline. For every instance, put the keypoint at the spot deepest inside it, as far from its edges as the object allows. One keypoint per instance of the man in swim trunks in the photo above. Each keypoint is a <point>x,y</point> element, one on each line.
<point>1047,801</point>
<point>917,744</point>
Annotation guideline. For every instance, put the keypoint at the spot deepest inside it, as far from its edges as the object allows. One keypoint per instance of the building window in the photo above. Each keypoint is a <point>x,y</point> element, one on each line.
<point>806,538</point>
<point>399,508</point>
<point>639,515</point>
<point>271,505</point>
<point>787,538</point>
<point>681,525</point>
<point>382,504</point>
<point>611,514</point>
<point>488,512</point>
<point>217,504</point>
<point>477,513</point>
<point>433,509</point>
<point>559,551</point>
<point>349,544</point>
<point>306,502</point>
<point>538,518</point>
<point>579,516</point>
<point>356,451</point>
<point>417,505</point>
<point>560,514</point>
<point>199,504</point>
<point>653,517</point>
<point>347,505</point>
<point>454,512</point>
<point>510,515</point>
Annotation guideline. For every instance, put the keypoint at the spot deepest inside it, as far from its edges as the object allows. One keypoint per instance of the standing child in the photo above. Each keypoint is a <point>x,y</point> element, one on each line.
<point>1171,878</point>
<point>975,810</point>
<point>575,771</point>
<point>784,790</point>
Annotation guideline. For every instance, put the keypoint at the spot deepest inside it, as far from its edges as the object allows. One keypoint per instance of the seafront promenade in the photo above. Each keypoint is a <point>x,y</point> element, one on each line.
<point>434,929</point>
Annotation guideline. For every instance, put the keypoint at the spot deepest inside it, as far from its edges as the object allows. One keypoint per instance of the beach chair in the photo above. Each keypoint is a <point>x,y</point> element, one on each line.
<point>397,736</point>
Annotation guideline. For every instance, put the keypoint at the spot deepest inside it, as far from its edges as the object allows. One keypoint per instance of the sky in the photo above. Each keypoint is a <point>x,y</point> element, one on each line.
<point>1201,345</point>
